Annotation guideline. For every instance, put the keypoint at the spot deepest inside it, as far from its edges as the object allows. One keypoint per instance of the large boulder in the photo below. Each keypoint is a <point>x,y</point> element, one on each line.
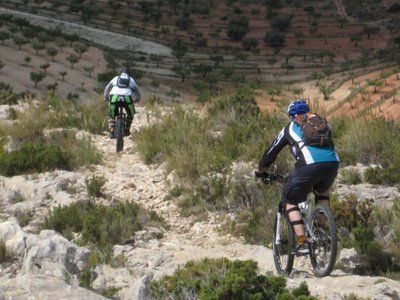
<point>50,253</point>
<point>349,260</point>
<point>383,291</point>
<point>13,237</point>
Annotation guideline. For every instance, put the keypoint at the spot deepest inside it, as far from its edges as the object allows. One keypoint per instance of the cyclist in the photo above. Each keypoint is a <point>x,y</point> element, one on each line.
<point>315,169</point>
<point>122,85</point>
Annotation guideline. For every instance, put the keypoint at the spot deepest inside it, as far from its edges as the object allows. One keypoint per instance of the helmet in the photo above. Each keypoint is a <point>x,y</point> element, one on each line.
<point>298,106</point>
<point>125,70</point>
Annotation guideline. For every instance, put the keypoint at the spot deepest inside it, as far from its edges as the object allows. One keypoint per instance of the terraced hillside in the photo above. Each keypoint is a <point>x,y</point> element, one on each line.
<point>262,40</point>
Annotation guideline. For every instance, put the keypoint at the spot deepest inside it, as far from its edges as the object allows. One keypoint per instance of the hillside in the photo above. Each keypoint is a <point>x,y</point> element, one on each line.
<point>303,36</point>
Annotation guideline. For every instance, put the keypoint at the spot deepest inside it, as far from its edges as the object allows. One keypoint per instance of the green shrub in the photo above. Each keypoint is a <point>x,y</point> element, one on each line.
<point>94,186</point>
<point>221,279</point>
<point>32,157</point>
<point>7,94</point>
<point>101,226</point>
<point>378,175</point>
<point>60,151</point>
<point>23,217</point>
<point>350,176</point>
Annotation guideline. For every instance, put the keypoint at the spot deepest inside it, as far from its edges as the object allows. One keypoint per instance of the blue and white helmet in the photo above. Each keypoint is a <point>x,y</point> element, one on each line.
<point>298,106</point>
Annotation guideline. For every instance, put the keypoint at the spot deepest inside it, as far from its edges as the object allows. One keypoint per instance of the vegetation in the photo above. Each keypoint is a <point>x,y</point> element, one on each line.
<point>37,151</point>
<point>101,226</point>
<point>224,279</point>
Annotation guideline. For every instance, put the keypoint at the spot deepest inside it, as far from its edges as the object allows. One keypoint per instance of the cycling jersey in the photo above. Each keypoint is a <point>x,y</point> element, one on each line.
<point>292,135</point>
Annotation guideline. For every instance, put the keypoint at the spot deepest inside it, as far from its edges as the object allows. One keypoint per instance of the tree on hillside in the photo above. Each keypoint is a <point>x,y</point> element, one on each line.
<point>71,38</point>
<point>6,18</point>
<point>44,67</point>
<point>282,22</point>
<point>44,38</point>
<point>4,36</point>
<point>157,59</point>
<point>385,76</point>
<point>356,38</point>
<point>80,49</point>
<point>52,87</point>
<point>217,59</point>
<point>19,42</point>
<point>202,69</point>
<point>29,33</point>
<point>317,77</point>
<point>238,28</point>
<point>182,71</point>
<point>287,66</point>
<point>250,43</point>
<point>273,91</point>
<point>179,49</point>
<point>37,47</point>
<point>368,30</point>
<point>342,21</point>
<point>52,52</point>
<point>394,93</point>
<point>325,90</point>
<point>72,59</point>
<point>62,74</point>
<point>1,64</point>
<point>89,69</point>
<point>274,39</point>
<point>227,72</point>
<point>185,22</point>
<point>328,70</point>
<point>36,77</point>
<point>27,60</point>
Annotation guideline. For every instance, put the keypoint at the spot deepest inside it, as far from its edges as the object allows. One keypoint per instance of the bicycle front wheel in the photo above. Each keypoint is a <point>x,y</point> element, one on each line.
<point>282,245</point>
<point>119,132</point>
<point>324,240</point>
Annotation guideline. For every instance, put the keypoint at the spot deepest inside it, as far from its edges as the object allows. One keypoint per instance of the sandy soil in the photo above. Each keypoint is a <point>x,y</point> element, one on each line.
<point>16,71</point>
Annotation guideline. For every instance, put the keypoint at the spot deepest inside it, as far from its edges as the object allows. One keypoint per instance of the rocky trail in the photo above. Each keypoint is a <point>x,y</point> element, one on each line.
<point>43,258</point>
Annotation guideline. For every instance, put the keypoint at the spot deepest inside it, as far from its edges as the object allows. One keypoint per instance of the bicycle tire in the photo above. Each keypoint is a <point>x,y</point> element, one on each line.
<point>119,132</point>
<point>282,248</point>
<point>325,243</point>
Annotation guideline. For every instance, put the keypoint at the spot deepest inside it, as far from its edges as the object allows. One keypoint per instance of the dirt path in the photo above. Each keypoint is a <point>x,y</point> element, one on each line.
<point>190,239</point>
<point>342,11</point>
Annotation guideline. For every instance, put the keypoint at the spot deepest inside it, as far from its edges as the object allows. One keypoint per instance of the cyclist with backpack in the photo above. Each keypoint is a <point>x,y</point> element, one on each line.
<point>310,140</point>
<point>122,85</point>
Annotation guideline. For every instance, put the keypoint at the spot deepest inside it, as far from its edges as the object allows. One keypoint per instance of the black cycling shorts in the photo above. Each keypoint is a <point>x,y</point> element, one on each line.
<point>305,179</point>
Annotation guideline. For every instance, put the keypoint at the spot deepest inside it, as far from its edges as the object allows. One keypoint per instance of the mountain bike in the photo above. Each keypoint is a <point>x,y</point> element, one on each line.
<point>120,123</point>
<point>320,228</point>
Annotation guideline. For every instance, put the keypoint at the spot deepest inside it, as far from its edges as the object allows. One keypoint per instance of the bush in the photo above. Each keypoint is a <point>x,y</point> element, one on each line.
<point>238,28</point>
<point>32,157</point>
<point>94,186</point>
<point>99,225</point>
<point>219,279</point>
<point>7,94</point>
<point>350,176</point>
<point>378,175</point>
<point>274,39</point>
<point>282,22</point>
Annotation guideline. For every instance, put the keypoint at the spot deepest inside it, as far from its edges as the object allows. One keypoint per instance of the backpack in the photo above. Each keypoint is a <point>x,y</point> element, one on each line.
<point>316,131</point>
<point>123,82</point>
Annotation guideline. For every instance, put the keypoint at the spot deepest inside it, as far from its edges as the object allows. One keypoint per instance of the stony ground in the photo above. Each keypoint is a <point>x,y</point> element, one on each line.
<point>43,259</point>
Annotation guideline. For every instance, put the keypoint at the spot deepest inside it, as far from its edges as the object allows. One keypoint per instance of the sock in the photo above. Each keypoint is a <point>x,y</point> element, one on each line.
<point>301,239</point>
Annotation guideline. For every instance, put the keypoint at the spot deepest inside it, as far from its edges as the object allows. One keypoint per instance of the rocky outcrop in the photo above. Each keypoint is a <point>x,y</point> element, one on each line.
<point>348,260</point>
<point>13,237</point>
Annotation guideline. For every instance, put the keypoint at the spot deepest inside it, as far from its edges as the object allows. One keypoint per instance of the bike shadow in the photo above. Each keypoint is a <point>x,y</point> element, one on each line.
<point>295,274</point>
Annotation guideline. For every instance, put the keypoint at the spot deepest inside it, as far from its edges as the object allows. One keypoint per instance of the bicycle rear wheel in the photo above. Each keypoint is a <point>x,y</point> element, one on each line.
<point>324,244</point>
<point>282,245</point>
<point>119,132</point>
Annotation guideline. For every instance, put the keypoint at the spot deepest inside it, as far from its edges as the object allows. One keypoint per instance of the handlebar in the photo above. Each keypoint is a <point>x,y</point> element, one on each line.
<point>268,177</point>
